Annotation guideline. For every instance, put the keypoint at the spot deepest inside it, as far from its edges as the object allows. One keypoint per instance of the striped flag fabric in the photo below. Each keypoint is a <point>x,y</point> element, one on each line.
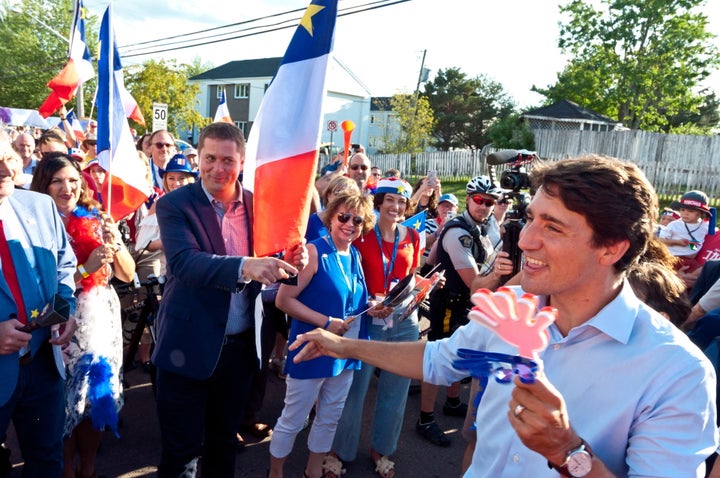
<point>77,70</point>
<point>75,125</point>
<point>283,145</point>
<point>222,114</point>
<point>125,187</point>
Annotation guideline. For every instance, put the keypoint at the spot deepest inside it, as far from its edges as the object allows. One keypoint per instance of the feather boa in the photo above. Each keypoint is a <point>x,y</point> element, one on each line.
<point>85,230</point>
<point>100,394</point>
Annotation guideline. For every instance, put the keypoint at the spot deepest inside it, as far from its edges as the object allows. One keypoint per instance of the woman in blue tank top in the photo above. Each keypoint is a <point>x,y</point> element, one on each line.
<point>331,291</point>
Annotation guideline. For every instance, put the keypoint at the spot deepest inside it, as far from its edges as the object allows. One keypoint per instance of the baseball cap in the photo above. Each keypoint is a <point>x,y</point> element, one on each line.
<point>449,197</point>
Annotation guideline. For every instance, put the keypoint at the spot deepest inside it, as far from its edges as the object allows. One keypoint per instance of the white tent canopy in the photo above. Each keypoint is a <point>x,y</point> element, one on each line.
<point>23,117</point>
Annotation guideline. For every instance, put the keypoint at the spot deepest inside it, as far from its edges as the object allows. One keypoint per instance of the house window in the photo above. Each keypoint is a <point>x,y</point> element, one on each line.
<point>219,91</point>
<point>243,127</point>
<point>242,90</point>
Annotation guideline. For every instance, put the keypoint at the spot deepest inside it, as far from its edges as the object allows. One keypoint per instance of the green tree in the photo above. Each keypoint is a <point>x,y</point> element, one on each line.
<point>409,127</point>
<point>511,132</point>
<point>165,82</point>
<point>464,108</point>
<point>33,54</point>
<point>639,61</point>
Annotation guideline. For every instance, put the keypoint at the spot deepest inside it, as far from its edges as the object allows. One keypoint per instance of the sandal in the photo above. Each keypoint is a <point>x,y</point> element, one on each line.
<point>332,466</point>
<point>384,467</point>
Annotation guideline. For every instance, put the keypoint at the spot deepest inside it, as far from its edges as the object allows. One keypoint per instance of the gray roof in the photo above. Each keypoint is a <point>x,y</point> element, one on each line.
<point>566,109</point>
<point>242,69</point>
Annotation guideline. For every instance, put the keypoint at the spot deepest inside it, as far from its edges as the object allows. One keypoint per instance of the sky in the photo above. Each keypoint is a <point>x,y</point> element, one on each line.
<point>513,42</point>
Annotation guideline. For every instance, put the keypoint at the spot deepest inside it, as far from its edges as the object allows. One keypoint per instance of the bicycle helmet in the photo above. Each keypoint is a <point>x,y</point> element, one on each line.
<point>483,185</point>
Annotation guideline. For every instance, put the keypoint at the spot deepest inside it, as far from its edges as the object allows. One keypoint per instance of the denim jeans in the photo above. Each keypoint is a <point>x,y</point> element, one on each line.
<point>392,391</point>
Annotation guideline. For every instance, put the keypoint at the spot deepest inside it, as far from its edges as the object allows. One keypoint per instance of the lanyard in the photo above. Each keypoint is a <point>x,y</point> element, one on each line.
<point>349,282</point>
<point>387,267</point>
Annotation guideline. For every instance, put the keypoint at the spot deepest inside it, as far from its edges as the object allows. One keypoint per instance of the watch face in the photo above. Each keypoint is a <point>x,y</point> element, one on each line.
<point>579,463</point>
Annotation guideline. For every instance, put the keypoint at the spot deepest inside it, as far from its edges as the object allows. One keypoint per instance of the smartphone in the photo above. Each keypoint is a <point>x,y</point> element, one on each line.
<point>432,178</point>
<point>355,148</point>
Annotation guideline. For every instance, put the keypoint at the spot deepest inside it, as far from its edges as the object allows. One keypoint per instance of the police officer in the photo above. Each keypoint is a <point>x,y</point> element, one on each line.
<point>466,253</point>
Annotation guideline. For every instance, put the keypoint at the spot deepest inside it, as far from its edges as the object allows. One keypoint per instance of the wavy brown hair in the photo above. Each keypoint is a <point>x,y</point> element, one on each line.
<point>357,202</point>
<point>614,196</point>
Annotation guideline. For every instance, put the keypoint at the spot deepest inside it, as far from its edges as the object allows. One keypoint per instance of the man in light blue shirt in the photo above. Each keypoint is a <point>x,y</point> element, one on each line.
<point>622,391</point>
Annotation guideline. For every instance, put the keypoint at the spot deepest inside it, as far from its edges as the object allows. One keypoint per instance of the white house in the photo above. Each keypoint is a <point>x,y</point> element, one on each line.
<point>245,82</point>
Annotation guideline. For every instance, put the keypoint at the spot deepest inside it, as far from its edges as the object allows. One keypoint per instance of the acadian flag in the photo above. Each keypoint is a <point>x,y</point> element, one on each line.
<point>282,150</point>
<point>77,70</point>
<point>125,187</point>
<point>222,115</point>
<point>417,222</point>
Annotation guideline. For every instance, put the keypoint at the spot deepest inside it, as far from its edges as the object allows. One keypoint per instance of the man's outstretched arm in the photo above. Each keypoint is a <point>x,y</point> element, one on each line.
<point>401,358</point>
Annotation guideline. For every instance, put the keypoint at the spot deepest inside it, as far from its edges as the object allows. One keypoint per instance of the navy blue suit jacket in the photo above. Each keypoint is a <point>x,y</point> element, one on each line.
<point>200,280</point>
<point>55,264</point>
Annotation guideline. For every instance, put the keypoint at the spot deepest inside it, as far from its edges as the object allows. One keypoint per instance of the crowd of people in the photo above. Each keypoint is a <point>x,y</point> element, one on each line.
<point>621,389</point>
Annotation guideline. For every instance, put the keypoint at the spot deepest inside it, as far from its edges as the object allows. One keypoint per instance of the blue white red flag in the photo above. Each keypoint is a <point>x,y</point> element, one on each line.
<point>75,125</point>
<point>125,187</point>
<point>282,150</point>
<point>417,222</point>
<point>77,70</point>
<point>222,115</point>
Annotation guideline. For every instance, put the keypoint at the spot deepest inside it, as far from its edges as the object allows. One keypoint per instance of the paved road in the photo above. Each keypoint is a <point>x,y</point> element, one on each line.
<point>137,452</point>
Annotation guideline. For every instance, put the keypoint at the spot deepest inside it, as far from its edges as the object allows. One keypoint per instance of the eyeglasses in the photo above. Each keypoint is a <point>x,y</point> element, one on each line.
<point>344,217</point>
<point>355,167</point>
<point>159,145</point>
<point>481,201</point>
<point>500,366</point>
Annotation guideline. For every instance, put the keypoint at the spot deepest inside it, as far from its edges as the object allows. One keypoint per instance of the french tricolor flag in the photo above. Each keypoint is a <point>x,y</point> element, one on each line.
<point>222,114</point>
<point>77,70</point>
<point>125,187</point>
<point>282,149</point>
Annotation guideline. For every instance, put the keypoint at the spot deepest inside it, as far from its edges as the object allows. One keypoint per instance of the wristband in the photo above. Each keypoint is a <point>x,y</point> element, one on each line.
<point>63,118</point>
<point>82,271</point>
<point>327,324</point>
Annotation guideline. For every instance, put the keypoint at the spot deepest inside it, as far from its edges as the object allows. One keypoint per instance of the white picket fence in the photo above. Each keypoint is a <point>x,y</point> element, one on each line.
<point>673,163</point>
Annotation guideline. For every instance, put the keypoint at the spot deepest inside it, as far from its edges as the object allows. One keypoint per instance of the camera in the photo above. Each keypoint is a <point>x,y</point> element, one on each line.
<point>514,179</point>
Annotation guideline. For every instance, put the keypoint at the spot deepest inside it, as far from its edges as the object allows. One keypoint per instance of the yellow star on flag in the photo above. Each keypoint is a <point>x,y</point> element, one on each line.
<point>34,313</point>
<point>306,21</point>
<point>416,225</point>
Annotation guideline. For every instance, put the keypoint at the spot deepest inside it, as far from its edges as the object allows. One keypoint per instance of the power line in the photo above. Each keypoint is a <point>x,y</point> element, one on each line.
<point>282,25</point>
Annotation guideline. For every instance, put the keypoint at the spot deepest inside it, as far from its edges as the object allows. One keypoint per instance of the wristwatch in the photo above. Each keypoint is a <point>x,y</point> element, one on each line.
<point>578,462</point>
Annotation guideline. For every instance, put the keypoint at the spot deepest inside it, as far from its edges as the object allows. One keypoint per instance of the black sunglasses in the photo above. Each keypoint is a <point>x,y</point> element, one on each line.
<point>355,167</point>
<point>344,217</point>
<point>163,145</point>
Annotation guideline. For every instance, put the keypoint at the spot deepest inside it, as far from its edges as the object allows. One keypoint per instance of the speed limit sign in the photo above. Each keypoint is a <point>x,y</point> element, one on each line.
<point>332,125</point>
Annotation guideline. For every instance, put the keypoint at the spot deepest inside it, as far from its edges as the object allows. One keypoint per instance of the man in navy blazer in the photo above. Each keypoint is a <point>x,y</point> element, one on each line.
<point>211,311</point>
<point>32,391</point>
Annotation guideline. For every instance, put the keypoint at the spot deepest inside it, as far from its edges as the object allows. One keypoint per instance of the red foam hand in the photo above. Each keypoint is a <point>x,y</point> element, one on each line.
<point>513,319</point>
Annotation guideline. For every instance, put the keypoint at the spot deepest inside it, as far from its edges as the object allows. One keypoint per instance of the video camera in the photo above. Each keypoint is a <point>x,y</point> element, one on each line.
<point>514,179</point>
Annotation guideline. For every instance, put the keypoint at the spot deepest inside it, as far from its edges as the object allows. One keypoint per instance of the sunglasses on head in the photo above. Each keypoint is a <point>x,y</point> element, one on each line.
<point>355,167</point>
<point>344,217</point>
<point>159,145</point>
<point>481,201</point>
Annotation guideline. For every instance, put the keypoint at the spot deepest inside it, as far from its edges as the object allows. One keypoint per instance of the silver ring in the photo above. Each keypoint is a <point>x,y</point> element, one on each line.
<point>518,410</point>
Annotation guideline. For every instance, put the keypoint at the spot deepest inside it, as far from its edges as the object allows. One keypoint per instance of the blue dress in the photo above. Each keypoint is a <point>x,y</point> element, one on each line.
<point>333,291</point>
